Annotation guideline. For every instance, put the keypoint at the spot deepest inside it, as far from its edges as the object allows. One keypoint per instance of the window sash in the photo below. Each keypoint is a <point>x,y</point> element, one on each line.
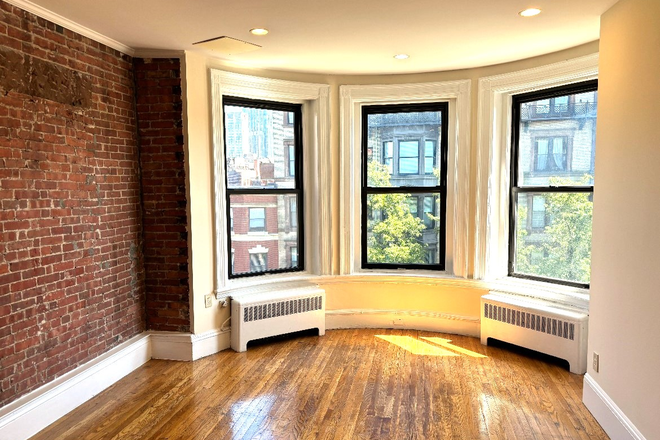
<point>291,161</point>
<point>411,160</point>
<point>551,154</point>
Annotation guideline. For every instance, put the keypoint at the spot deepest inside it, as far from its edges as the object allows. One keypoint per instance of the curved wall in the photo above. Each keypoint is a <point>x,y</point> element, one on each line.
<point>443,305</point>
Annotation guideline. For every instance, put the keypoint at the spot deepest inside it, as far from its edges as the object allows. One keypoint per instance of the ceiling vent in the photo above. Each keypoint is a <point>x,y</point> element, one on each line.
<point>227,45</point>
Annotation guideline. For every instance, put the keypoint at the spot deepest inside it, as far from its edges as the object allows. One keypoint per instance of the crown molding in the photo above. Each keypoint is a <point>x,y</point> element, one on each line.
<point>71,25</point>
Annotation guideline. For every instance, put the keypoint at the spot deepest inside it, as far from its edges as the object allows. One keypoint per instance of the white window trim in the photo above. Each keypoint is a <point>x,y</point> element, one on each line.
<point>493,171</point>
<point>457,94</point>
<point>316,156</point>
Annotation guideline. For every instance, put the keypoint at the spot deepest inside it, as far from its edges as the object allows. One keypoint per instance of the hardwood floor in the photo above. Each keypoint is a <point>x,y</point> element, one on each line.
<point>348,384</point>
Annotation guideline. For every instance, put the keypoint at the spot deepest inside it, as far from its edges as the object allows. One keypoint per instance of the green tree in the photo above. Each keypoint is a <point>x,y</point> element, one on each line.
<point>396,236</point>
<point>564,247</point>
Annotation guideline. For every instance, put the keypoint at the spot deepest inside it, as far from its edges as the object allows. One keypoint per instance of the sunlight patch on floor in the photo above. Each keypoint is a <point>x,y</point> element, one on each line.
<point>447,343</point>
<point>416,346</point>
<point>430,346</point>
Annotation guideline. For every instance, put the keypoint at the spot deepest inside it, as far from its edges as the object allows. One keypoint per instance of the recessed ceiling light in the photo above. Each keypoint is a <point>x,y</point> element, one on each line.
<point>529,12</point>
<point>401,56</point>
<point>259,31</point>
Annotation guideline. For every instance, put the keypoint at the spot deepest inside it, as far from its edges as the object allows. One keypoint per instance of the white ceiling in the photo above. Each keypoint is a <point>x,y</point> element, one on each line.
<point>346,36</point>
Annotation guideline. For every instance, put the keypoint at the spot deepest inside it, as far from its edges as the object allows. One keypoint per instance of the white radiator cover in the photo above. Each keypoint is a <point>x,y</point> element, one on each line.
<point>539,325</point>
<point>262,315</point>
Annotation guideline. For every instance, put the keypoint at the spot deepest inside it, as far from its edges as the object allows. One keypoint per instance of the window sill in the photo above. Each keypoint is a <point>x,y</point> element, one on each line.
<point>264,283</point>
<point>566,296</point>
<point>403,276</point>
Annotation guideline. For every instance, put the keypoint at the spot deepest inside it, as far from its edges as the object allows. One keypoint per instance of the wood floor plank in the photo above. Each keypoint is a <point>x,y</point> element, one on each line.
<point>348,384</point>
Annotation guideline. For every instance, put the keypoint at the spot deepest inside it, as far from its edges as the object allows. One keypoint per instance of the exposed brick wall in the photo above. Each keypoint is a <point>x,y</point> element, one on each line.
<point>71,276</point>
<point>165,220</point>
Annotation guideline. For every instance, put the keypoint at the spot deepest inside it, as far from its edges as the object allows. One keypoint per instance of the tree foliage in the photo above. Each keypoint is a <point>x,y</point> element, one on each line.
<point>395,237</point>
<point>563,249</point>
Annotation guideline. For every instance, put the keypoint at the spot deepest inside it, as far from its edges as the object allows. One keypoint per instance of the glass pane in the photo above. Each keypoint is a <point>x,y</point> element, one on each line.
<point>430,214</point>
<point>538,212</point>
<point>557,141</point>
<point>388,155</point>
<point>400,230</point>
<point>257,219</point>
<point>259,148</point>
<point>561,104</point>
<point>429,156</point>
<point>554,239</point>
<point>401,148</point>
<point>264,232</point>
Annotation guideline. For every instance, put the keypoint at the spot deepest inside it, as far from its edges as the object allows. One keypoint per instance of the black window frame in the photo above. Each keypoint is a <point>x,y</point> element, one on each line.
<point>439,190</point>
<point>515,189</point>
<point>297,191</point>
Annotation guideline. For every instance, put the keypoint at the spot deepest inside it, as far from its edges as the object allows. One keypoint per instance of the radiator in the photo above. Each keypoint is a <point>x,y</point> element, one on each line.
<point>537,325</point>
<point>262,315</point>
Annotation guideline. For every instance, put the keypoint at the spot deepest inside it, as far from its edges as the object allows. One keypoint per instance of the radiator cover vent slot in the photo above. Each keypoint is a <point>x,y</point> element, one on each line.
<point>539,323</point>
<point>282,308</point>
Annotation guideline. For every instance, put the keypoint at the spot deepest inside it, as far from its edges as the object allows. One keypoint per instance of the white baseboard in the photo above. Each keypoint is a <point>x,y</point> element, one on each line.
<point>206,344</point>
<point>171,346</point>
<point>31,413</point>
<point>403,319</point>
<point>607,413</point>
<point>186,346</point>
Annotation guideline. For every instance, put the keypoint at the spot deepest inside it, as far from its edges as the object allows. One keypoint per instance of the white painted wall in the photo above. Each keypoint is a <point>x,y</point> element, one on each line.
<point>625,280</point>
<point>197,126</point>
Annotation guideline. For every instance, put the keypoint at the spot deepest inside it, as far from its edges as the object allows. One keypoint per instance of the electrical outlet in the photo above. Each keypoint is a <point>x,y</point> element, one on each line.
<point>208,301</point>
<point>596,362</point>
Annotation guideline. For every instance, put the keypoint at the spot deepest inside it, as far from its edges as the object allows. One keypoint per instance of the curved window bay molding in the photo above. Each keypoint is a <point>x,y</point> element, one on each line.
<point>494,154</point>
<point>457,94</point>
<point>316,140</point>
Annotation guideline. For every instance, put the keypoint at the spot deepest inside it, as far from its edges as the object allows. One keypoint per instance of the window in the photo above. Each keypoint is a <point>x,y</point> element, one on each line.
<point>293,214</point>
<point>551,154</point>
<point>289,158</point>
<point>408,157</point>
<point>294,256</point>
<point>264,184</point>
<point>538,212</point>
<point>552,185</point>
<point>388,155</point>
<point>429,212</point>
<point>258,262</point>
<point>429,156</point>
<point>549,107</point>
<point>257,219</point>
<point>397,231</point>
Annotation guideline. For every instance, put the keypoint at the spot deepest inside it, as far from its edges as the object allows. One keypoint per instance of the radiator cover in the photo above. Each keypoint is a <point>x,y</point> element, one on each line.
<point>268,314</point>
<point>539,325</point>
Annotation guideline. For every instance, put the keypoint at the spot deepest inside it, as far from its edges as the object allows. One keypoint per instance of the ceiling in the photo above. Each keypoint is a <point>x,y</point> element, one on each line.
<point>344,36</point>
